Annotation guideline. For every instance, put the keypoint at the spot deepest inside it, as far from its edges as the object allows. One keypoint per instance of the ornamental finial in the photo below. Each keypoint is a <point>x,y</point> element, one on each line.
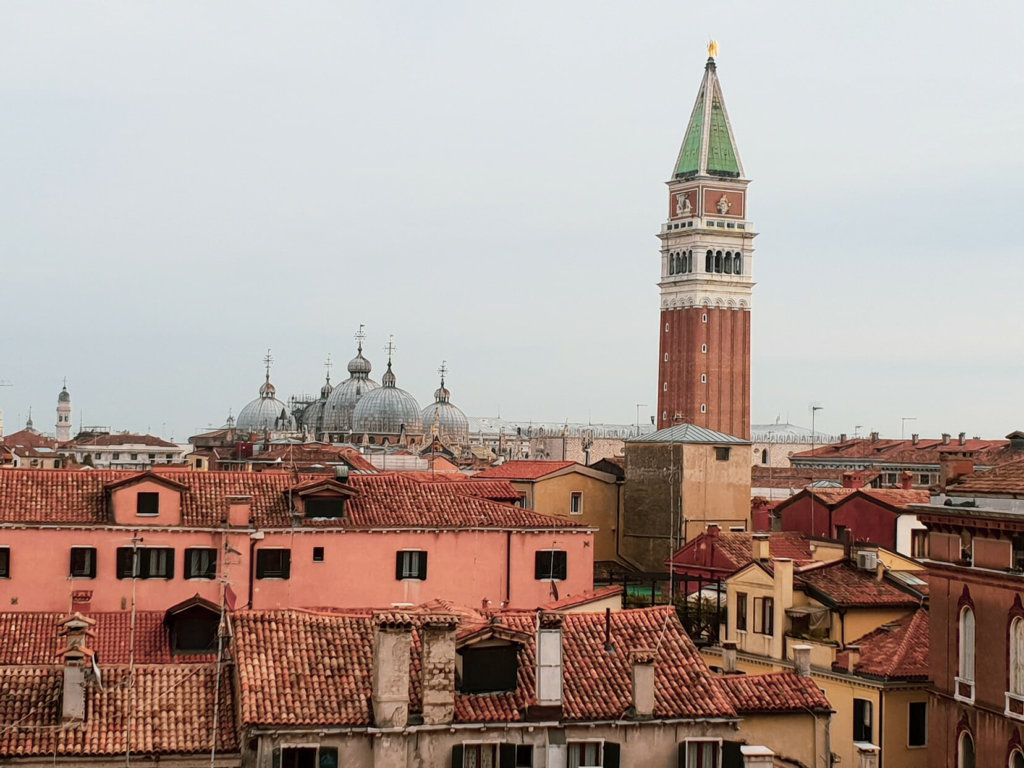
<point>712,49</point>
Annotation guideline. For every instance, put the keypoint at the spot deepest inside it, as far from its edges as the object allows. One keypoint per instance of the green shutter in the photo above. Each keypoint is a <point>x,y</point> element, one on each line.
<point>611,755</point>
<point>506,756</point>
<point>732,757</point>
<point>457,754</point>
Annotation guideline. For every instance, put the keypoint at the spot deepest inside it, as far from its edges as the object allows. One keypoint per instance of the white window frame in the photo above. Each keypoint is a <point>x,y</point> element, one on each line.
<point>600,751</point>
<point>718,753</point>
<point>1015,673</point>
<point>95,556</point>
<point>576,502</point>
<point>415,561</point>
<point>965,656</point>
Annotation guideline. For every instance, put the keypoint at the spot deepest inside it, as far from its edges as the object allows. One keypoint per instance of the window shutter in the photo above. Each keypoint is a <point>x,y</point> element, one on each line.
<point>611,755</point>
<point>261,564</point>
<point>682,755</point>
<point>399,556</point>
<point>457,750</point>
<point>422,572</point>
<point>92,563</point>
<point>561,565</point>
<point>538,566</point>
<point>506,756</point>
<point>169,573</point>
<point>275,759</point>
<point>327,757</point>
<point>124,562</point>
<point>732,757</point>
<point>286,564</point>
<point>190,565</point>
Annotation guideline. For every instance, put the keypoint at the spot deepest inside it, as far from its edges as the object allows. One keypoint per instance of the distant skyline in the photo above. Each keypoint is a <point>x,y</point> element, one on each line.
<point>188,185</point>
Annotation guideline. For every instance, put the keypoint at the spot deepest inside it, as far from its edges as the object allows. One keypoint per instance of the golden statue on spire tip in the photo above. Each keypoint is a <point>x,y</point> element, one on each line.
<point>712,49</point>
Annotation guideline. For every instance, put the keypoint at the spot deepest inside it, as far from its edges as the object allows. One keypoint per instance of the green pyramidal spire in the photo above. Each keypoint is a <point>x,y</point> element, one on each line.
<point>709,148</point>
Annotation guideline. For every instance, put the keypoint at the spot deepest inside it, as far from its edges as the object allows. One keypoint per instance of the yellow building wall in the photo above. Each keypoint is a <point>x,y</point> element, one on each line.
<point>858,623</point>
<point>714,491</point>
<point>802,739</point>
<point>896,731</point>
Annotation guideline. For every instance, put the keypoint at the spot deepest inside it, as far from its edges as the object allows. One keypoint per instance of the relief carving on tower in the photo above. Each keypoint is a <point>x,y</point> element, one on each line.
<point>723,202</point>
<point>723,205</point>
<point>684,206</point>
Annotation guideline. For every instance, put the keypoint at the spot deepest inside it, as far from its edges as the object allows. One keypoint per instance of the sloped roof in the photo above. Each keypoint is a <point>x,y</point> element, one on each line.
<point>120,438</point>
<point>897,651</point>
<point>898,499</point>
<point>845,585</point>
<point>925,451</point>
<point>689,433</point>
<point>304,454</point>
<point>732,550</point>
<point>306,668</point>
<point>1002,480</point>
<point>523,470</point>
<point>382,501</point>
<point>776,692</point>
<point>708,147</point>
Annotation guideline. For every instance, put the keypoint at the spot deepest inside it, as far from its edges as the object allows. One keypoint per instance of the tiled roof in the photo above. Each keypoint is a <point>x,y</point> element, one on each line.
<point>575,601</point>
<point>763,476</point>
<point>523,470</point>
<point>383,501</point>
<point>304,668</point>
<point>776,692</point>
<point>843,584</point>
<point>305,454</point>
<point>897,651</point>
<point>926,451</point>
<point>120,438</point>
<point>171,708</point>
<point>28,438</point>
<point>732,550</point>
<point>1005,479</point>
<point>689,433</point>
<point>898,498</point>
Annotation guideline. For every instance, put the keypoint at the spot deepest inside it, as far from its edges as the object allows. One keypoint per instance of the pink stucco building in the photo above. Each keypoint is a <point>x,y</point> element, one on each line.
<point>101,540</point>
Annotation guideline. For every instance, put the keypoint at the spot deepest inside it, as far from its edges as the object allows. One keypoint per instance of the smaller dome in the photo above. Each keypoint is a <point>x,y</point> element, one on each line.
<point>64,396</point>
<point>326,389</point>
<point>452,424</point>
<point>359,364</point>
<point>387,410</point>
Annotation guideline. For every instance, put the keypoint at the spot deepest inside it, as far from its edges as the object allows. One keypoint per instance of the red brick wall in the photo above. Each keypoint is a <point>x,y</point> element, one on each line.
<point>868,520</point>
<point>807,515</point>
<point>726,364</point>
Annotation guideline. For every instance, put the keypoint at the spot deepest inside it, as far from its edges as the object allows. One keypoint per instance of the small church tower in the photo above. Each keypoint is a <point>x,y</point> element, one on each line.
<point>64,414</point>
<point>706,275</point>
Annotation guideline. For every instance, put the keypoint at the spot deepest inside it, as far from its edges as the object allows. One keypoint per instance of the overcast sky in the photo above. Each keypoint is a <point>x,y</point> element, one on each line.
<point>185,184</point>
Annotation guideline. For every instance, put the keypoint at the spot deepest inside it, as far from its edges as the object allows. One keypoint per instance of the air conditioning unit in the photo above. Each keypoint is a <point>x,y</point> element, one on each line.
<point>867,561</point>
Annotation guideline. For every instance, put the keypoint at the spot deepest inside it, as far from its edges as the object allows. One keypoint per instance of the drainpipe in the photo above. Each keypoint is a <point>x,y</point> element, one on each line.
<point>508,567</point>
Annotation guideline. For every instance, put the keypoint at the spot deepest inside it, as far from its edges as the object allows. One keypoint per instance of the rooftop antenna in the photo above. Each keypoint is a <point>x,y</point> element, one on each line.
<point>360,336</point>
<point>903,424</point>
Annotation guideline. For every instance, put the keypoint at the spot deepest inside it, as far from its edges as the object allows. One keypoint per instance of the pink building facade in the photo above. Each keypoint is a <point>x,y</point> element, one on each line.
<point>105,540</point>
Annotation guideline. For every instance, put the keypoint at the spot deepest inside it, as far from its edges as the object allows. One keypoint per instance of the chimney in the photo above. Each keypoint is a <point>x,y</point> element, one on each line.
<point>760,546</point>
<point>802,660</point>
<point>757,756</point>
<point>952,468</point>
<point>239,511</point>
<point>642,661</point>
<point>713,530</point>
<point>962,438</point>
<point>437,669</point>
<point>1016,439</point>
<point>852,657</point>
<point>392,640</point>
<point>549,660</point>
<point>874,437</point>
<point>852,480</point>
<point>341,473</point>
<point>842,437</point>
<point>729,656</point>
<point>906,481</point>
<point>847,539</point>
<point>945,438</point>
<point>867,755</point>
<point>78,665</point>
<point>915,438</point>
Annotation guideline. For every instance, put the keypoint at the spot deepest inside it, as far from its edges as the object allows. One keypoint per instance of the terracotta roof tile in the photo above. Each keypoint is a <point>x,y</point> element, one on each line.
<point>523,470</point>
<point>382,501</point>
<point>926,451</point>
<point>775,692</point>
<point>172,712</point>
<point>1005,479</point>
<point>844,584</point>
<point>729,551</point>
<point>574,601</point>
<point>896,651</point>
<point>121,438</point>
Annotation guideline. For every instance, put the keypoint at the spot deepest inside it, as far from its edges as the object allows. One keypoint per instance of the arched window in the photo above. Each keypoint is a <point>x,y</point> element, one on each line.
<point>1017,657</point>
<point>709,262</point>
<point>737,264</point>
<point>966,660</point>
<point>764,456</point>
<point>728,263</point>
<point>689,261</point>
<point>671,263</point>
<point>965,751</point>
<point>1016,759</point>
<point>718,262</point>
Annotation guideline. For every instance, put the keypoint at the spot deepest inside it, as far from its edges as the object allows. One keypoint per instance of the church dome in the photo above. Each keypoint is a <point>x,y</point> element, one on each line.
<point>341,402</point>
<point>64,396</point>
<point>266,412</point>
<point>387,410</point>
<point>452,424</point>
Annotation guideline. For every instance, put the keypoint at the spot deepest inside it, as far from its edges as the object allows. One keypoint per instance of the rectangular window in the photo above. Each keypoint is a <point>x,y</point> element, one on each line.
<point>83,563</point>
<point>721,454</point>
<point>305,757</point>
<point>116,456</point>
<point>593,753</point>
<point>318,554</point>
<point>764,615</point>
<point>491,755</point>
<point>152,457</point>
<point>701,754</point>
<point>550,565</point>
<point>5,562</point>
<point>411,564</point>
<point>325,507</point>
<point>741,611</point>
<point>145,563</point>
<point>273,563</point>
<point>861,720</point>
<point>1017,546</point>
<point>200,563</point>
<point>917,724</point>
<point>919,544</point>
<point>135,457</point>
<point>576,503</point>
<point>147,505</point>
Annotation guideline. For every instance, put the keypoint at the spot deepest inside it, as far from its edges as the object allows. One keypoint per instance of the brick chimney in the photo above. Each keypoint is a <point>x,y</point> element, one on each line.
<point>852,657</point>
<point>78,665</point>
<point>760,546</point>
<point>962,438</point>
<point>842,437</point>
<point>437,674</point>
<point>239,511</point>
<point>906,481</point>
<point>873,437</point>
<point>549,660</point>
<point>713,530</point>
<point>802,660</point>
<point>392,640</point>
<point>853,480</point>
<point>952,468</point>
<point>642,661</point>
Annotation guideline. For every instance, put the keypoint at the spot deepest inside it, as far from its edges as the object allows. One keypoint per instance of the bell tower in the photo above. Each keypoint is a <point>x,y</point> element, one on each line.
<point>63,427</point>
<point>706,275</point>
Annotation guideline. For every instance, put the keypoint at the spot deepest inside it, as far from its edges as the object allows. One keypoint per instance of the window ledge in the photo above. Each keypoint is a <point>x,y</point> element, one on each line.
<point>1014,706</point>
<point>963,690</point>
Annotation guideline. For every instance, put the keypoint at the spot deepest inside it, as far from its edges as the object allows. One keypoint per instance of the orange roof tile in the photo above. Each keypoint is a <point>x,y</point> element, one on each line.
<point>574,601</point>
<point>121,438</point>
<point>1004,480</point>
<point>926,451</point>
<point>897,651</point>
<point>843,584</point>
<point>776,692</point>
<point>523,470</point>
<point>731,550</point>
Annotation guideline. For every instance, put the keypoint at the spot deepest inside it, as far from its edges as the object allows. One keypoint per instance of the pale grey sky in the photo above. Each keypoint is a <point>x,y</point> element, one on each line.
<point>186,184</point>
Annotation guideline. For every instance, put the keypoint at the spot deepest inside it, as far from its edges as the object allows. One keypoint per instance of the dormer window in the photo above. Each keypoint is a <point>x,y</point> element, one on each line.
<point>325,506</point>
<point>193,626</point>
<point>147,504</point>
<point>489,669</point>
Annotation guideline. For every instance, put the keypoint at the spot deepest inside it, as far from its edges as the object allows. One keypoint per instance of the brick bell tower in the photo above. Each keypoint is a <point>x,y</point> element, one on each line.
<point>706,275</point>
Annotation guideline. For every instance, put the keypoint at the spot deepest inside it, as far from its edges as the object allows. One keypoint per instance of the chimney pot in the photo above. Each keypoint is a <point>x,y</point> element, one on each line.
<point>874,437</point>
<point>906,481</point>
<point>761,546</point>
<point>852,657</point>
<point>842,437</point>
<point>802,660</point>
<point>729,656</point>
<point>962,438</point>
<point>915,439</point>
<point>945,438</point>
